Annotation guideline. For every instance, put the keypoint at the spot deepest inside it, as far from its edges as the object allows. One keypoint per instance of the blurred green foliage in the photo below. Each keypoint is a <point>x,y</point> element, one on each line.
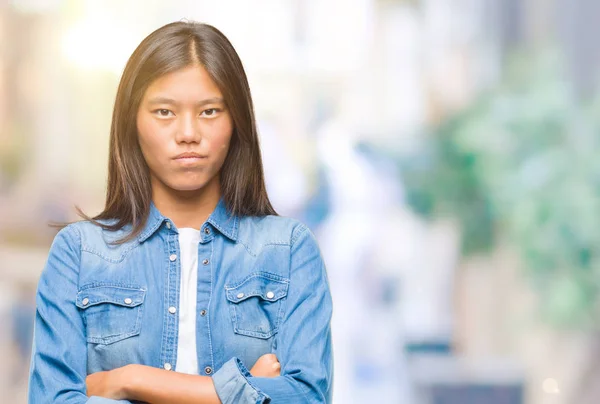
<point>522,164</point>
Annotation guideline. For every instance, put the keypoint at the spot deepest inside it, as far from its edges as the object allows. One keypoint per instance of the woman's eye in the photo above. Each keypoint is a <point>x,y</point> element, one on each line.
<point>163,112</point>
<point>210,112</point>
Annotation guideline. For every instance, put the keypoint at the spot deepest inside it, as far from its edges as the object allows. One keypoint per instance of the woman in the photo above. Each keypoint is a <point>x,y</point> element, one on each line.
<point>187,277</point>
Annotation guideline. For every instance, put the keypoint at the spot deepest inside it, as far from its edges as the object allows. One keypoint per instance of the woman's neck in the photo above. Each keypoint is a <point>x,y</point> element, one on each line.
<point>187,208</point>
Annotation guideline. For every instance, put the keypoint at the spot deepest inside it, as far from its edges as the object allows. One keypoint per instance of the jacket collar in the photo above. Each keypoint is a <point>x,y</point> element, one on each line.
<point>220,219</point>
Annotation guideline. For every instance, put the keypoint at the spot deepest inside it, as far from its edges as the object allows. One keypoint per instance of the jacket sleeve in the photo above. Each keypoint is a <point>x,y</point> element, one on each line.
<point>59,353</point>
<point>303,343</point>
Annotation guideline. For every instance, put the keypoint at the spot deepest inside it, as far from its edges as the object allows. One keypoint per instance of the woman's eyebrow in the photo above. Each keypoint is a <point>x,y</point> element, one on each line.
<point>170,101</point>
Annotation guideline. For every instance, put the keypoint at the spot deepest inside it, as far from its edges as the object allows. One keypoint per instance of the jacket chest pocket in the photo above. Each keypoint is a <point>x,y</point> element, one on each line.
<point>255,304</point>
<point>111,313</point>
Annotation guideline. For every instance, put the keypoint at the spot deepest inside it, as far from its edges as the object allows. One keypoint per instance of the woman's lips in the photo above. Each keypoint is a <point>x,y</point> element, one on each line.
<point>189,158</point>
<point>189,155</point>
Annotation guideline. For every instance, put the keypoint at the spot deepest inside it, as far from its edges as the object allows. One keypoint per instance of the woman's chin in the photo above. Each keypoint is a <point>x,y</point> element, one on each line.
<point>189,188</point>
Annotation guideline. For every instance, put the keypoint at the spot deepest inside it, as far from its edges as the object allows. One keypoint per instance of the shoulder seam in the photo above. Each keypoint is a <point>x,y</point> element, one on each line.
<point>84,247</point>
<point>72,228</point>
<point>75,229</point>
<point>299,232</point>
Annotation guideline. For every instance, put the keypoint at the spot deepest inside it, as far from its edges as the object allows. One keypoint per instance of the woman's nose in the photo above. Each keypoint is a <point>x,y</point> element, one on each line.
<point>188,129</point>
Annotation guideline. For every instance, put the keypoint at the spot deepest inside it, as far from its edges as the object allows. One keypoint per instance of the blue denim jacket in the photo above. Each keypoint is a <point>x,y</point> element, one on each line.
<point>262,288</point>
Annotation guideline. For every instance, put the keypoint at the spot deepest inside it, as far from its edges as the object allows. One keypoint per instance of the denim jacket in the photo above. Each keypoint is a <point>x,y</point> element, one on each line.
<point>262,288</point>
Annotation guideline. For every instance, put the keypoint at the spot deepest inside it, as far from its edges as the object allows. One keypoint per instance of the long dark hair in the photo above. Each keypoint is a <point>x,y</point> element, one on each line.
<point>169,48</point>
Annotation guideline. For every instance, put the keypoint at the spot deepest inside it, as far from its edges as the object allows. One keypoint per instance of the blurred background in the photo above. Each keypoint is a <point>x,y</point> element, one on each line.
<point>444,152</point>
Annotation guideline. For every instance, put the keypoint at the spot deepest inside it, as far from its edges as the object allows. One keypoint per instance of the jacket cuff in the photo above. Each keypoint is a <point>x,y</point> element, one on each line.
<point>233,386</point>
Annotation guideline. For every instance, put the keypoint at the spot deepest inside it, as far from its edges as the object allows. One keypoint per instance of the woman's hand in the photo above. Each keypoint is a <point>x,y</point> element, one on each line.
<point>107,384</point>
<point>266,366</point>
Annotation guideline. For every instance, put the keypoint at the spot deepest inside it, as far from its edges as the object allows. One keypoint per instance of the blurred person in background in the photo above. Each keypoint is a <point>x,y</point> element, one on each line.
<point>22,312</point>
<point>188,268</point>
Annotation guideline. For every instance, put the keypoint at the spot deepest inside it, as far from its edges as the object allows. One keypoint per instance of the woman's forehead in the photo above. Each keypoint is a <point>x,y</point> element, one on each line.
<point>191,84</point>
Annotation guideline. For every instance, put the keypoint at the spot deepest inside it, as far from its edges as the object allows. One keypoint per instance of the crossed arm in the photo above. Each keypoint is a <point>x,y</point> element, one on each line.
<point>158,386</point>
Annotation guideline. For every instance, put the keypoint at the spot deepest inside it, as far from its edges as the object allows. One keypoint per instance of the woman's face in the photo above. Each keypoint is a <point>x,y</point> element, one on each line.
<point>184,131</point>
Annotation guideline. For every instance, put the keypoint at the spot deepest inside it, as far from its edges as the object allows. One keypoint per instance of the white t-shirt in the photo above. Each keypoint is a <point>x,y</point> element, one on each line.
<point>187,361</point>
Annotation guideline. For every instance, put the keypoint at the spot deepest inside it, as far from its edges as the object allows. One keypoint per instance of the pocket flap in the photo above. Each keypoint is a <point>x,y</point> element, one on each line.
<point>119,295</point>
<point>267,286</point>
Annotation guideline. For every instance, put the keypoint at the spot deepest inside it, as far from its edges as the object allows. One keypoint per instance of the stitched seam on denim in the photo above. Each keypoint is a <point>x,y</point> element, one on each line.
<point>252,253</point>
<point>75,229</point>
<point>175,285</point>
<point>138,323</point>
<point>255,334</point>
<point>277,242</point>
<point>111,285</point>
<point>111,339</point>
<point>233,315</point>
<point>235,226</point>
<point>280,313</point>
<point>259,274</point>
<point>301,229</point>
<point>229,235</point>
<point>118,335</point>
<point>212,361</point>
<point>124,253</point>
<point>150,231</point>
<point>104,301</point>
<point>165,272</point>
<point>115,302</point>
<point>255,293</point>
